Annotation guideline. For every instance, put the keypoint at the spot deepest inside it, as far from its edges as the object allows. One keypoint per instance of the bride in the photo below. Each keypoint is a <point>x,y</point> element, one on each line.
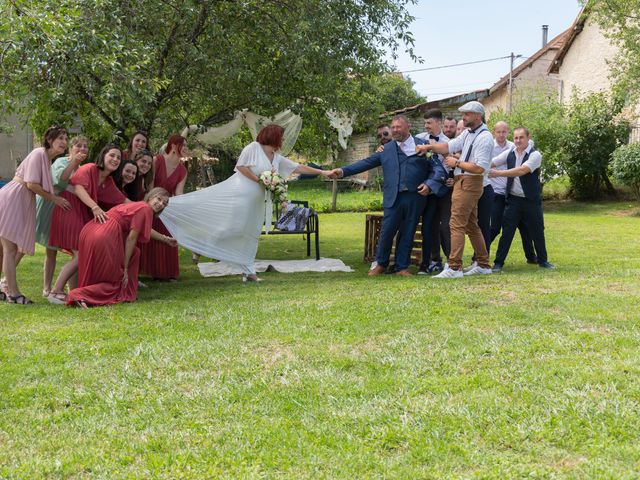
<point>224,221</point>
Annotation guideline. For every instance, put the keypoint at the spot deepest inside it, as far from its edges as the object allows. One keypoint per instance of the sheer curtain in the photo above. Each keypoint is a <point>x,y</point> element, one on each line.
<point>291,123</point>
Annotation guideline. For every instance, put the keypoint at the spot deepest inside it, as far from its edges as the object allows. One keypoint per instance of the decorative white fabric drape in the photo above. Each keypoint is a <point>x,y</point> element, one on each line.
<point>343,123</point>
<point>291,123</point>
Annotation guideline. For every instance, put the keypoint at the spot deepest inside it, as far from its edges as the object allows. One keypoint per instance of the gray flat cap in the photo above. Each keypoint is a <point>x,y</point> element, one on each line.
<point>474,107</point>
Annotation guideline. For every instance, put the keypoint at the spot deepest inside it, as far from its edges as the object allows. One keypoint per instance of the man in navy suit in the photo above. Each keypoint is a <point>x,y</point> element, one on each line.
<point>408,180</point>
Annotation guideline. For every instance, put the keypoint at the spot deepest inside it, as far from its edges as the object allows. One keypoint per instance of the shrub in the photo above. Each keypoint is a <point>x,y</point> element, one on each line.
<point>535,108</point>
<point>625,165</point>
<point>594,130</point>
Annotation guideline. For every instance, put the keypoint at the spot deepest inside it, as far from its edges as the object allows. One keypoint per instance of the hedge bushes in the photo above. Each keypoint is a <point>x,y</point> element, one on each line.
<point>625,166</point>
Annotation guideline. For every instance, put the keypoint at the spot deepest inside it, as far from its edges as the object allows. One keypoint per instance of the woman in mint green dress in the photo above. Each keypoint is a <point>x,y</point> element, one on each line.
<point>61,171</point>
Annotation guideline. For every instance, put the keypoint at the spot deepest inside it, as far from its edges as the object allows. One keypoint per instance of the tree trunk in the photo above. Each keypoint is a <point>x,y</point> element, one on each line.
<point>610,189</point>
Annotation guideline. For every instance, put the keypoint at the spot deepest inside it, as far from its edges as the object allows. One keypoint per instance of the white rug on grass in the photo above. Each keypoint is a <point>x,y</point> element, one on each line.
<point>220,269</point>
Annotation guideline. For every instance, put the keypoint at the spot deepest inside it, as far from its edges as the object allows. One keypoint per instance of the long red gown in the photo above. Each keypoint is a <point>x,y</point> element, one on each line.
<point>101,256</point>
<point>159,260</point>
<point>66,225</point>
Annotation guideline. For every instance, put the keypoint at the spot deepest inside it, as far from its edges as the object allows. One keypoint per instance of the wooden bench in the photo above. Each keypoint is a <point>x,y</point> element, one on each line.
<point>311,227</point>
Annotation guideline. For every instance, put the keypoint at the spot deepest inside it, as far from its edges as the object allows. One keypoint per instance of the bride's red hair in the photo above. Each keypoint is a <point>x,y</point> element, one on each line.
<point>271,135</point>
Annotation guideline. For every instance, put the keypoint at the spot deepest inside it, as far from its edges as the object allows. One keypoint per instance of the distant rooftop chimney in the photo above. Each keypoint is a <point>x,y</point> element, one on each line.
<point>545,35</point>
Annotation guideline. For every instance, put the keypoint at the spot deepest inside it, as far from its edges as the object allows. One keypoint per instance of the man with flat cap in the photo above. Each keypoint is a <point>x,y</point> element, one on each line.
<point>476,147</point>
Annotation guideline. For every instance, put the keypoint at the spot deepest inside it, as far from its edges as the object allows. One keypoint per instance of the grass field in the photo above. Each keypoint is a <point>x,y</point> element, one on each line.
<point>526,374</point>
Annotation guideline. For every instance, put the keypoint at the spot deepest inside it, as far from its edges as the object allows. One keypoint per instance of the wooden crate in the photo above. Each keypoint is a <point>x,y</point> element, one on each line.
<point>372,235</point>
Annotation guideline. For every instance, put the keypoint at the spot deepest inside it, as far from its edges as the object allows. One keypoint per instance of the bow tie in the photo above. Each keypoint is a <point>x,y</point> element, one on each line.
<point>475,129</point>
<point>435,137</point>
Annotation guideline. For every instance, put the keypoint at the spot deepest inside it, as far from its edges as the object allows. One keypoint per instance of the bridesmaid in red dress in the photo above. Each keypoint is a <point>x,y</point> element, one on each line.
<point>108,256</point>
<point>143,183</point>
<point>158,260</point>
<point>92,186</point>
<point>139,142</point>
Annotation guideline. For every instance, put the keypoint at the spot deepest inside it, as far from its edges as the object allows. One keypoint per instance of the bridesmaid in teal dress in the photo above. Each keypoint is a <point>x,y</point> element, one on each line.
<point>61,171</point>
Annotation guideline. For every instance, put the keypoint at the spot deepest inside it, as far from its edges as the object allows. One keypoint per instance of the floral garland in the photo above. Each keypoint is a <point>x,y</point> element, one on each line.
<point>277,185</point>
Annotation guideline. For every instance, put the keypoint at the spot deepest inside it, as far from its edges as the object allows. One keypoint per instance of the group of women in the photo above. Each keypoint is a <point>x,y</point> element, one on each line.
<point>99,213</point>
<point>105,215</point>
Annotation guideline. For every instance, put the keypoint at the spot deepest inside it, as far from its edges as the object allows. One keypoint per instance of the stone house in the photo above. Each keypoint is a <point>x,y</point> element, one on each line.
<point>584,63</point>
<point>534,72</point>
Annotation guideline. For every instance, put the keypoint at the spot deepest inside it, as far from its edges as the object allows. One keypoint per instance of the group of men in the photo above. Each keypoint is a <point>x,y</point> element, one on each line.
<point>460,180</point>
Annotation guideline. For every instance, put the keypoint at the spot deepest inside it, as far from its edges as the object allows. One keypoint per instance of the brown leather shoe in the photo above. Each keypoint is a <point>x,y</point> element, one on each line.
<point>404,273</point>
<point>377,270</point>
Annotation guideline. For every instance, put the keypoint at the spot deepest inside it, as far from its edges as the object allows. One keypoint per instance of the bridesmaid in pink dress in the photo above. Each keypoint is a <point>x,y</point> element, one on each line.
<point>159,260</point>
<point>18,208</point>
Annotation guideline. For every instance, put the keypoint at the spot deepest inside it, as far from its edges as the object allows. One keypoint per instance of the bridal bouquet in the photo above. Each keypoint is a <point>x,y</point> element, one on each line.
<point>277,185</point>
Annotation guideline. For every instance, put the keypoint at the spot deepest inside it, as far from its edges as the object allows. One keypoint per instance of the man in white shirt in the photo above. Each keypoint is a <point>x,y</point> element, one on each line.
<point>476,146</point>
<point>499,184</point>
<point>524,202</point>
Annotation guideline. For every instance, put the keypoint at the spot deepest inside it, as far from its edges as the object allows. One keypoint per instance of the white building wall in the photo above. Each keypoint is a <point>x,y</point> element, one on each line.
<point>586,63</point>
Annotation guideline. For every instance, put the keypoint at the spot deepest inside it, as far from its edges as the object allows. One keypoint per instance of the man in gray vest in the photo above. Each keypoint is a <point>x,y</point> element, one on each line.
<point>524,202</point>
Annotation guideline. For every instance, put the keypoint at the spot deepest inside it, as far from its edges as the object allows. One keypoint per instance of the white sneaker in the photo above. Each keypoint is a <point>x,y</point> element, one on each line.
<point>478,270</point>
<point>470,267</point>
<point>449,273</point>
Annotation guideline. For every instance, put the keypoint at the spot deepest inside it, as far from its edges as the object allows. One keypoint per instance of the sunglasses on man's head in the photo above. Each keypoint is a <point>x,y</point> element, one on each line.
<point>383,134</point>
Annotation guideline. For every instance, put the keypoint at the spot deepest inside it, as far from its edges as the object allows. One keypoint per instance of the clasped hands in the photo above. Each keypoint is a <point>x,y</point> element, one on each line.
<point>334,174</point>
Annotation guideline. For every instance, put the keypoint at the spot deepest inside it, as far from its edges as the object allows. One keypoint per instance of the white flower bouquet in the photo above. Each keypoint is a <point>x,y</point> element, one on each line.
<point>277,185</point>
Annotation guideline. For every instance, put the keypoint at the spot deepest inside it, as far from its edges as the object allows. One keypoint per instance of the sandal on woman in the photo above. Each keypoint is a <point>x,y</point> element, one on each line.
<point>18,300</point>
<point>45,292</point>
<point>57,298</point>
<point>81,304</point>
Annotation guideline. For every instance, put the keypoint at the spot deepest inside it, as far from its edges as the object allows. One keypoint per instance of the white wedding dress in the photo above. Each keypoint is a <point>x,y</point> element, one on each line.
<point>224,221</point>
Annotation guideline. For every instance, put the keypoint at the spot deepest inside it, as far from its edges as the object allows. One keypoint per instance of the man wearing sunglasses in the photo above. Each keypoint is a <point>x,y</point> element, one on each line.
<point>384,134</point>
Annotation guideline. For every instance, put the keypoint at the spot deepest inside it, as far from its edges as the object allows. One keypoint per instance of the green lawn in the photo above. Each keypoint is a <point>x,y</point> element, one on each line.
<point>527,374</point>
<point>319,197</point>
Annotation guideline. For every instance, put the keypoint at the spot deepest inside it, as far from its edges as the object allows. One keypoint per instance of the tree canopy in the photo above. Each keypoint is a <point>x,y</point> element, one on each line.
<point>158,65</point>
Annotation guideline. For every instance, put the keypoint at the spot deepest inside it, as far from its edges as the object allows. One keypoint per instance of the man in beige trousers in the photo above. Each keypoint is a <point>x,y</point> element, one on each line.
<point>476,147</point>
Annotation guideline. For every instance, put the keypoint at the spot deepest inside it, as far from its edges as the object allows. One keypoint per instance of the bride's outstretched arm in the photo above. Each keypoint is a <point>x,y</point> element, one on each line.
<point>310,170</point>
